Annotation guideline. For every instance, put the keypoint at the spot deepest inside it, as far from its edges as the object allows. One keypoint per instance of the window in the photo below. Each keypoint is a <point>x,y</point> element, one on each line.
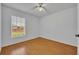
<point>17,26</point>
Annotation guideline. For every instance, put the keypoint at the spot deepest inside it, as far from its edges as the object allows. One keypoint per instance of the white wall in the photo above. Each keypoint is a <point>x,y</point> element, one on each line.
<point>61,26</point>
<point>78,25</point>
<point>0,24</point>
<point>32,24</point>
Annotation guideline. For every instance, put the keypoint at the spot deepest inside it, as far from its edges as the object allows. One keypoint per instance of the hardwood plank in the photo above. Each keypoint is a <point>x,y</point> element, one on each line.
<point>39,46</point>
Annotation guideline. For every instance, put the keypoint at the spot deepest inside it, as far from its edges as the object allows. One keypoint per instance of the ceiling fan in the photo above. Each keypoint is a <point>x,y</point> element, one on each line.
<point>40,7</point>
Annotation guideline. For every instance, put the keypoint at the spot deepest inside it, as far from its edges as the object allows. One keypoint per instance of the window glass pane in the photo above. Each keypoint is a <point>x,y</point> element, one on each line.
<point>18,26</point>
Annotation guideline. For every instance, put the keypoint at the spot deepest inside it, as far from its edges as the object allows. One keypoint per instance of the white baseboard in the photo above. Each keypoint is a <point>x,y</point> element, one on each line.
<point>58,40</point>
<point>30,38</point>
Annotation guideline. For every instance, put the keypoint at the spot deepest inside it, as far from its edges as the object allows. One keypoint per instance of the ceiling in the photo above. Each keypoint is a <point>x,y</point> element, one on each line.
<point>51,7</point>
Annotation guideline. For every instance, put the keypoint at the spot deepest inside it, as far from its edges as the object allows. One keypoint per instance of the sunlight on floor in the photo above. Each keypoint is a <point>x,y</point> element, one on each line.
<point>19,51</point>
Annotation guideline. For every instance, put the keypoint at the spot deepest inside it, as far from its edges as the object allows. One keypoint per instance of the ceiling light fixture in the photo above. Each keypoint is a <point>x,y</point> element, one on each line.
<point>40,9</point>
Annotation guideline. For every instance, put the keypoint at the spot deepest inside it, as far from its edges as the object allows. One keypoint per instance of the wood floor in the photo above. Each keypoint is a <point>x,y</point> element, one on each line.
<point>39,46</point>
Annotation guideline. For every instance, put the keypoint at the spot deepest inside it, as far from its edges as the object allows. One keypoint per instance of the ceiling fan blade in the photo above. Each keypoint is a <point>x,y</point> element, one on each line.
<point>45,9</point>
<point>33,8</point>
<point>43,4</point>
<point>40,4</point>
